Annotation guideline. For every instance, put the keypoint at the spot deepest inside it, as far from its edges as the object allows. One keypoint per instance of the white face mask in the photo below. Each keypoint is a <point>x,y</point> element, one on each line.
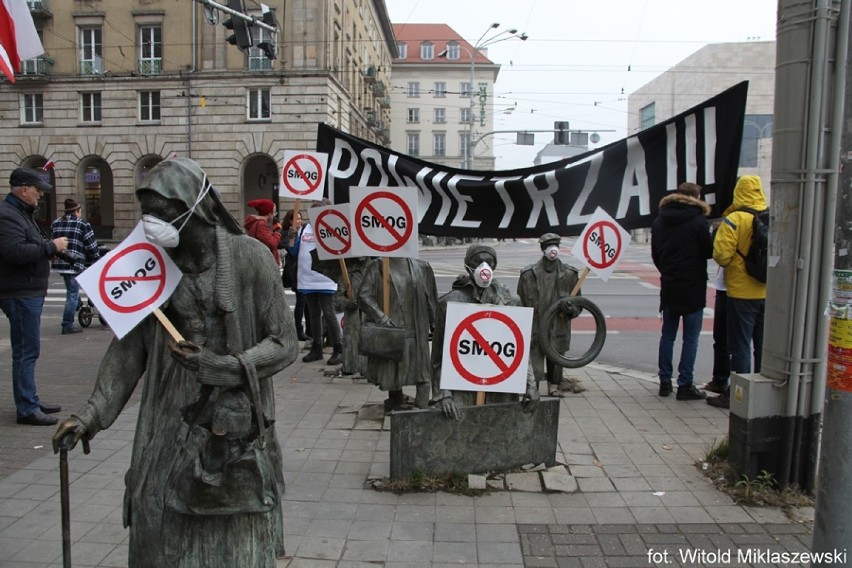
<point>551,252</point>
<point>483,275</point>
<point>164,233</point>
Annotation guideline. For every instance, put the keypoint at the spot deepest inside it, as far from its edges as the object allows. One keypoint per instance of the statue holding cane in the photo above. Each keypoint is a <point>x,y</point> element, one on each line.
<point>205,481</point>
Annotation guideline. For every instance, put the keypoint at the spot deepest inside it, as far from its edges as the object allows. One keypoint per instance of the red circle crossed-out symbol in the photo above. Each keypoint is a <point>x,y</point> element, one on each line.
<point>294,162</point>
<point>398,239</point>
<point>131,280</point>
<point>505,369</point>
<point>342,234</point>
<point>608,252</point>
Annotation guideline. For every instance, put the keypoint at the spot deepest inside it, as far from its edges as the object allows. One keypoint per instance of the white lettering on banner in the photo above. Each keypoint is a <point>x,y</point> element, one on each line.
<point>341,146</point>
<point>462,200</point>
<point>500,186</point>
<point>671,156</point>
<point>445,199</point>
<point>710,145</point>
<point>574,216</point>
<point>635,170</point>
<point>542,199</point>
<point>690,144</point>
<point>392,160</point>
<point>368,155</point>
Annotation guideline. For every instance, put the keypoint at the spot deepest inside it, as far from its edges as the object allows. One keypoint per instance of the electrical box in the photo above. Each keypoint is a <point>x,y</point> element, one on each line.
<point>756,426</point>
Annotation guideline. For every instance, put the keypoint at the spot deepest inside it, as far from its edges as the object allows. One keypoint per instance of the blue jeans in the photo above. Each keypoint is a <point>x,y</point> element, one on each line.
<point>24,316</point>
<point>72,300</point>
<point>691,329</point>
<point>745,333</point>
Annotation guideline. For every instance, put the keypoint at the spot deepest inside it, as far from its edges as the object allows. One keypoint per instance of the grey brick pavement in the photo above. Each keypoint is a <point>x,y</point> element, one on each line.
<point>631,452</point>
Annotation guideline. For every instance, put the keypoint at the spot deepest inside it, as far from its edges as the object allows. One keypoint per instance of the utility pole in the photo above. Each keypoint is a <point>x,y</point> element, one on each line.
<point>833,522</point>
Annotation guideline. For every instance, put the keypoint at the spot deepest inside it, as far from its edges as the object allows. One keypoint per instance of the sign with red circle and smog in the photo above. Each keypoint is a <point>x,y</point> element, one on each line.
<point>486,348</point>
<point>601,245</point>
<point>130,282</point>
<point>333,230</point>
<point>303,175</point>
<point>385,221</point>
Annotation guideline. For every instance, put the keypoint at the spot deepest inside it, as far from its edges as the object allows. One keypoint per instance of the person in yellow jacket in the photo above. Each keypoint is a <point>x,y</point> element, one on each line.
<point>746,295</point>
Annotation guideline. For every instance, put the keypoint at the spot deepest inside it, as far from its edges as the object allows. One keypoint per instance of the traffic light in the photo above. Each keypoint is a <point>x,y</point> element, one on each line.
<point>561,133</point>
<point>269,47</point>
<point>241,36</point>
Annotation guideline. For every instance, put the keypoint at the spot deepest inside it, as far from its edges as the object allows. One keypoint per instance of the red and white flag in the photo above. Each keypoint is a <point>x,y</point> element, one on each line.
<point>18,37</point>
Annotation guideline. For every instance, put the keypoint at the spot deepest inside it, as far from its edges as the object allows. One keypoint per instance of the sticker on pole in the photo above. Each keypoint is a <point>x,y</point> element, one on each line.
<point>130,282</point>
<point>601,244</point>
<point>385,221</point>
<point>303,174</point>
<point>333,230</point>
<point>486,348</point>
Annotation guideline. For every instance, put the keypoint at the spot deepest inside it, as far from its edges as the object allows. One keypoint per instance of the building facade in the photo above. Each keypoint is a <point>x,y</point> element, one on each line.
<point>124,84</point>
<point>442,97</point>
<point>706,73</point>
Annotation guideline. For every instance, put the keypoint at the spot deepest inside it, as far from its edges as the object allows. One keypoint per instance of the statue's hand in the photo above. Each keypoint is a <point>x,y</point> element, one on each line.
<point>68,433</point>
<point>449,409</point>
<point>348,304</point>
<point>569,309</point>
<point>386,321</point>
<point>530,399</point>
<point>187,353</point>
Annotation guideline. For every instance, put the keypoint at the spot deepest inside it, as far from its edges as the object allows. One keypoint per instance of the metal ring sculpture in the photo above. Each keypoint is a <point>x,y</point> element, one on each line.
<point>566,306</point>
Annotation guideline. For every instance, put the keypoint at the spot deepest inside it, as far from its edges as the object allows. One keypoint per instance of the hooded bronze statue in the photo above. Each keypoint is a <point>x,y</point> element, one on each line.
<point>206,401</point>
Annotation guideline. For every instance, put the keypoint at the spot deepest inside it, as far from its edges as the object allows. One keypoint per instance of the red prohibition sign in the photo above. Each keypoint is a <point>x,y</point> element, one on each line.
<point>605,261</point>
<point>399,239</point>
<point>321,222</point>
<point>133,279</point>
<point>294,162</point>
<point>506,370</point>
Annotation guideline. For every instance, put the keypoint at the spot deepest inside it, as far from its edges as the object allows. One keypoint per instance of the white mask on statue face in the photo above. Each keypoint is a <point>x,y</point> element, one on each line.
<point>164,233</point>
<point>483,275</point>
<point>551,252</point>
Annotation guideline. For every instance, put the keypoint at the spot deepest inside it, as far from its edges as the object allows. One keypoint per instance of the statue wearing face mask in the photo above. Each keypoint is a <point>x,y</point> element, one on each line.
<point>540,286</point>
<point>477,286</point>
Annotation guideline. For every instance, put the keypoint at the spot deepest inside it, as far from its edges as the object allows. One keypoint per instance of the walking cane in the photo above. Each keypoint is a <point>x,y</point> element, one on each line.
<point>65,497</point>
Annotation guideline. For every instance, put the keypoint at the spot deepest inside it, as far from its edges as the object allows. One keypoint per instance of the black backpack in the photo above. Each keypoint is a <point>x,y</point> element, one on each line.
<point>757,259</point>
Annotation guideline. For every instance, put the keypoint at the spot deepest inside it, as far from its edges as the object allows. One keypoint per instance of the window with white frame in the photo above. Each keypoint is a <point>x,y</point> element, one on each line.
<point>465,89</point>
<point>440,115</point>
<point>150,50</point>
<point>413,115</point>
<point>413,143</point>
<point>402,48</point>
<point>427,51</point>
<point>465,115</point>
<point>257,59</point>
<point>440,89</point>
<point>647,116</point>
<point>453,50</point>
<point>257,105</point>
<point>91,51</point>
<point>413,89</point>
<point>90,107</point>
<point>32,108</point>
<point>439,143</point>
<point>464,144</point>
<point>149,106</point>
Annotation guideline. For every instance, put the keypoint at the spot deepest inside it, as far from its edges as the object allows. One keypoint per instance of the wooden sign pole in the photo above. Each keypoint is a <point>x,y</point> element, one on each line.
<point>176,335</point>
<point>346,282</point>
<point>296,207</point>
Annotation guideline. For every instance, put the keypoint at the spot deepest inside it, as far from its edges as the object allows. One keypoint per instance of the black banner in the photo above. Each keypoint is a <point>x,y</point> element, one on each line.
<point>626,178</point>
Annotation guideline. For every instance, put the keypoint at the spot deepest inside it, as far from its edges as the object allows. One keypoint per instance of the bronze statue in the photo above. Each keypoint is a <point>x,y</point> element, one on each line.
<point>402,332</point>
<point>476,286</point>
<point>542,284</point>
<point>205,482</point>
<point>354,363</point>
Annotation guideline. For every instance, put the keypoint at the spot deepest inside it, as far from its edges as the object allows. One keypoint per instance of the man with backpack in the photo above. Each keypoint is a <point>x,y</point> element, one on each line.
<point>741,247</point>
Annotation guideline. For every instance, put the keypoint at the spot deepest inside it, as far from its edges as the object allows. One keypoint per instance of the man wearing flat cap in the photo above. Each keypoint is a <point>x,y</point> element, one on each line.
<point>83,247</point>
<point>540,286</point>
<point>24,271</point>
<point>476,286</point>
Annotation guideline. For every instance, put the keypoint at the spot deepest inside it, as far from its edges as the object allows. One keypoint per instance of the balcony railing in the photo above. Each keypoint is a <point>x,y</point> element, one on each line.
<point>261,63</point>
<point>34,5</point>
<point>35,66</point>
<point>150,66</point>
<point>92,67</point>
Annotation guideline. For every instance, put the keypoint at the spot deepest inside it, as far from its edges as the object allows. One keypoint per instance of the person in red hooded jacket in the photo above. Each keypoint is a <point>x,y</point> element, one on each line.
<point>262,228</point>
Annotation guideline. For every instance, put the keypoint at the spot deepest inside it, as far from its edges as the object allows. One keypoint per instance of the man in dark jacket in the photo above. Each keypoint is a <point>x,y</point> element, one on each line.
<point>680,247</point>
<point>24,271</point>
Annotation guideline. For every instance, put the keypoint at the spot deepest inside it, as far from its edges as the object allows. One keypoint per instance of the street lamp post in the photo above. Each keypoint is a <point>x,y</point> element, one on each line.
<point>483,42</point>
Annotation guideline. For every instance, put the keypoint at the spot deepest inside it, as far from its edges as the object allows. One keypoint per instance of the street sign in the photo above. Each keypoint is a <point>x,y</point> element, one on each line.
<point>486,348</point>
<point>333,230</point>
<point>601,245</point>
<point>303,174</point>
<point>385,221</point>
<point>130,282</point>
